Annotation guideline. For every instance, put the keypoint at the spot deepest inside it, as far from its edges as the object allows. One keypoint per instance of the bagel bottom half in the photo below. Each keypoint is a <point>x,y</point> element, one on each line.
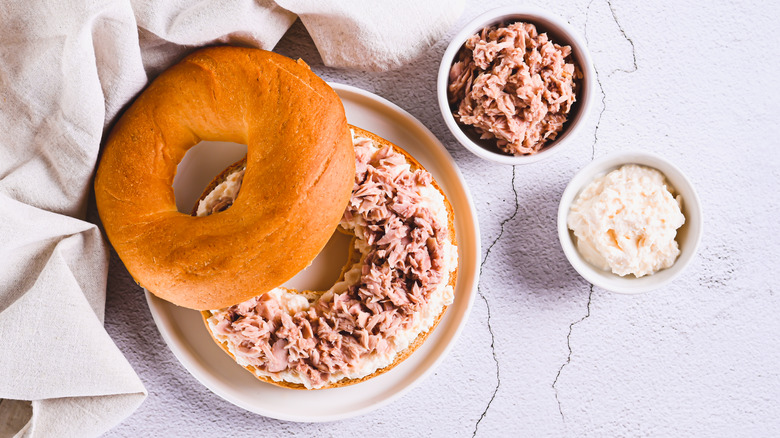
<point>391,294</point>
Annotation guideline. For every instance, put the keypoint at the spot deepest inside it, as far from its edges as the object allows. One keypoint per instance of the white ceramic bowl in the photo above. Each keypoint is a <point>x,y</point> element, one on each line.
<point>688,236</point>
<point>560,32</point>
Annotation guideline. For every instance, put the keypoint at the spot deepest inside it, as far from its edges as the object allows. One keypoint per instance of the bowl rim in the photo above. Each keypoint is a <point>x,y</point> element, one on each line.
<point>688,245</point>
<point>534,15</point>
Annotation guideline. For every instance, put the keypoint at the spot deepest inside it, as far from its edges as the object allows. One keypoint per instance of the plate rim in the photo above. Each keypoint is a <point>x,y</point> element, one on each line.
<point>166,327</point>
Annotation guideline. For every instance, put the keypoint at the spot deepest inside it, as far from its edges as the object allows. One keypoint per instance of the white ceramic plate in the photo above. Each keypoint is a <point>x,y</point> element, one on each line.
<point>183,329</point>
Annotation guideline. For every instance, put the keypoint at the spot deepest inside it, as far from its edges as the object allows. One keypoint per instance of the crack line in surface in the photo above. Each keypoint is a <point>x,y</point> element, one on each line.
<point>601,88</point>
<point>593,156</point>
<point>487,304</point>
<point>568,358</point>
<point>630,41</point>
<point>598,77</point>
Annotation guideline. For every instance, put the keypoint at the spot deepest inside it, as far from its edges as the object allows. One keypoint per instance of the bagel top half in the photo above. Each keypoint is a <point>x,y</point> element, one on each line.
<point>299,176</point>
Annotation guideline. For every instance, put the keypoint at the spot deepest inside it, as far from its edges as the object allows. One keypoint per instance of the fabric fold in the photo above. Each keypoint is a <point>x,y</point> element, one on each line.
<point>65,71</point>
<point>59,356</point>
<point>171,29</point>
<point>64,329</point>
<point>374,35</point>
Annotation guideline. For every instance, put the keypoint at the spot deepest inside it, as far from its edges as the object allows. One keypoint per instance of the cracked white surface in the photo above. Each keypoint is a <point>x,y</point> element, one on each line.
<point>696,84</point>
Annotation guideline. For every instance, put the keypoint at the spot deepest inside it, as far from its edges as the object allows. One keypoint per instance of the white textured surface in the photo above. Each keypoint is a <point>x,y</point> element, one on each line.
<point>543,354</point>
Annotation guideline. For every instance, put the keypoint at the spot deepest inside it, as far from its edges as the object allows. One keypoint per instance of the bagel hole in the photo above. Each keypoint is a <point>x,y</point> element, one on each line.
<point>201,164</point>
<point>325,270</point>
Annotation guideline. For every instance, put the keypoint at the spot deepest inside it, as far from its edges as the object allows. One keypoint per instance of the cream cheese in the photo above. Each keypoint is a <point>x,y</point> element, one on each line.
<point>626,221</point>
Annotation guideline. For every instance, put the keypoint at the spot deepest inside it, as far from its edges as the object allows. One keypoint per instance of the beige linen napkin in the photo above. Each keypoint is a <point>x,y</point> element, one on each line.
<point>66,70</point>
<point>372,34</point>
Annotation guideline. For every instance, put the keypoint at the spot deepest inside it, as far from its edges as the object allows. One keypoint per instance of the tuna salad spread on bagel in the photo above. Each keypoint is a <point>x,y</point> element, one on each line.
<point>307,174</point>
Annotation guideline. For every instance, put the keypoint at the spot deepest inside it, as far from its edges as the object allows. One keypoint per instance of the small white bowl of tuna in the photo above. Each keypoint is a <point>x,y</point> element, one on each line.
<point>516,84</point>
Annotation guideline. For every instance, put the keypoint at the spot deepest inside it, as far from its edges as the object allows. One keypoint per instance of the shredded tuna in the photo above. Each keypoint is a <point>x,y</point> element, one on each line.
<point>221,205</point>
<point>513,85</point>
<point>402,261</point>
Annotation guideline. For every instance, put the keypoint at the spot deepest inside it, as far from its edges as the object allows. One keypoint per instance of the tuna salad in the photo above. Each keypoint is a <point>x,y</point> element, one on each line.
<point>514,85</point>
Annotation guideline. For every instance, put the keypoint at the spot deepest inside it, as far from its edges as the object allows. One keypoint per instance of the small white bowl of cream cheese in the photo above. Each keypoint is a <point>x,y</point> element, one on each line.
<point>629,222</point>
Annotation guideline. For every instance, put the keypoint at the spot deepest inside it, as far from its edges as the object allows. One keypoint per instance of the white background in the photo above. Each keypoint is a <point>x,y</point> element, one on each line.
<point>543,353</point>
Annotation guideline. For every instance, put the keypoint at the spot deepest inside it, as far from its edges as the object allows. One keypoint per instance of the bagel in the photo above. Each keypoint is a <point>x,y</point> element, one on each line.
<point>300,168</point>
<point>393,291</point>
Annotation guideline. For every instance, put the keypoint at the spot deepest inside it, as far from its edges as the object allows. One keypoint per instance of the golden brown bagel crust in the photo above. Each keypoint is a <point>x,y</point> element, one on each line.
<point>353,257</point>
<point>299,176</point>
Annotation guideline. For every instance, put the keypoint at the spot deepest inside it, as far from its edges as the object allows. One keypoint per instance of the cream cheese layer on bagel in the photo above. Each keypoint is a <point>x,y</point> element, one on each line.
<point>390,296</point>
<point>299,174</point>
